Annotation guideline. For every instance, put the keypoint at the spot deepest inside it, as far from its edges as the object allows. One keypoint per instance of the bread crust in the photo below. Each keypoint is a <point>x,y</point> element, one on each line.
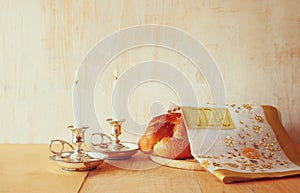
<point>166,136</point>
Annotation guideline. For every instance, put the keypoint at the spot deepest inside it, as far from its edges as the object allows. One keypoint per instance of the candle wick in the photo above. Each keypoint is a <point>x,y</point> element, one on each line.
<point>115,74</point>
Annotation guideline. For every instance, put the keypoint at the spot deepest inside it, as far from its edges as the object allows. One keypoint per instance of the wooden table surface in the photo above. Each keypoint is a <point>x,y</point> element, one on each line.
<point>26,168</point>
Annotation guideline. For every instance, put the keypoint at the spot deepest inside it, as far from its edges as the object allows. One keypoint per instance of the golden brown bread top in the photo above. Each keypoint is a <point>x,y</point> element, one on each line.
<point>160,133</point>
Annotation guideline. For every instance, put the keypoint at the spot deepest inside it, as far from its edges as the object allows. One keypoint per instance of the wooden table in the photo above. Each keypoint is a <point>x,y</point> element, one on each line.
<point>26,168</point>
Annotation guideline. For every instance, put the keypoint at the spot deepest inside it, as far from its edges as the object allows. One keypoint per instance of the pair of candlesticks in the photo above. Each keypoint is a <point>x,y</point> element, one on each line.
<point>78,159</point>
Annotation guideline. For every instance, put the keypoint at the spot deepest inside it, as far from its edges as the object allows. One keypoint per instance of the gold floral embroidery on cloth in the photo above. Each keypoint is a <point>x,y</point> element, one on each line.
<point>253,148</point>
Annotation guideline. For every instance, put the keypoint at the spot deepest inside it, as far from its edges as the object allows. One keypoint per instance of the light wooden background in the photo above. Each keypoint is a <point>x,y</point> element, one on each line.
<point>255,43</point>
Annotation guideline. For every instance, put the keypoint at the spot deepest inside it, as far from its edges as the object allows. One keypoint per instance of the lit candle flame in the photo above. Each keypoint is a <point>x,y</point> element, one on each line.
<point>115,74</point>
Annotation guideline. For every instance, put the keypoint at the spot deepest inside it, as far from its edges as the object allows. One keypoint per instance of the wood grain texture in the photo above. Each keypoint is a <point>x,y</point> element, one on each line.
<point>255,43</point>
<point>26,168</point>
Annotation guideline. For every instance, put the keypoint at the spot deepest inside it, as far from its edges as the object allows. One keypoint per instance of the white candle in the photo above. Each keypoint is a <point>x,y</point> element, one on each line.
<point>115,97</point>
<point>76,102</point>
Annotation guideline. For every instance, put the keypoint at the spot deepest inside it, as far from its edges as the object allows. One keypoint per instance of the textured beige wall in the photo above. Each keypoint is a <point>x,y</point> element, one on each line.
<point>255,43</point>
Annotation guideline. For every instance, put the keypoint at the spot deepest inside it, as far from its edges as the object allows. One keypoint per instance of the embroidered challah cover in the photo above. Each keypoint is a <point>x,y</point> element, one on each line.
<point>241,143</point>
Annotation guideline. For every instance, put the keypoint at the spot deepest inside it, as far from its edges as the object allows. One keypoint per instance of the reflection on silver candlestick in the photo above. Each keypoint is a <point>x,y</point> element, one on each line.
<point>78,140</point>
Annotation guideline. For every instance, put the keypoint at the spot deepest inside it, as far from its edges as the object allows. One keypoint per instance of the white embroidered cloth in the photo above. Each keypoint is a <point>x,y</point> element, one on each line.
<point>237,143</point>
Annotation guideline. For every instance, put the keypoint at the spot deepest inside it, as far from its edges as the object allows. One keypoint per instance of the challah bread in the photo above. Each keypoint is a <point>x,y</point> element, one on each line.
<point>166,136</point>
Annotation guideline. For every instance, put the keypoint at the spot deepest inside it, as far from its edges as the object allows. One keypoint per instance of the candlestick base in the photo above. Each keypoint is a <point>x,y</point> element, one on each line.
<point>126,152</point>
<point>77,159</point>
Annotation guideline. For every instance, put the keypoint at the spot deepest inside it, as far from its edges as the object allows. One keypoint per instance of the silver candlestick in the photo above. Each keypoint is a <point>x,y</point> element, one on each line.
<point>75,159</point>
<point>115,132</point>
